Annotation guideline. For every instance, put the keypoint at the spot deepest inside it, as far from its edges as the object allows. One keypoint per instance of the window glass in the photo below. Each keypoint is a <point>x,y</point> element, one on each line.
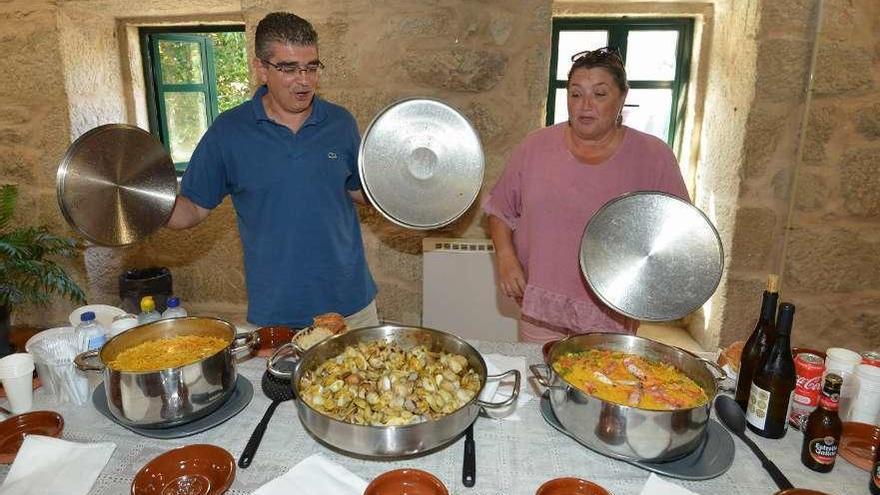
<point>560,113</point>
<point>181,62</point>
<point>187,115</point>
<point>650,55</point>
<point>648,111</point>
<point>571,42</point>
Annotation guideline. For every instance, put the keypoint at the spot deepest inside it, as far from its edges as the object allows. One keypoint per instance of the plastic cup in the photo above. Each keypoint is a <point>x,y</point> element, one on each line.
<point>16,374</point>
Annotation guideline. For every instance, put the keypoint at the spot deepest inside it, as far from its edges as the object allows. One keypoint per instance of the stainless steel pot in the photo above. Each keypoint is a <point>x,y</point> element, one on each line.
<point>172,396</point>
<point>391,441</point>
<point>625,432</point>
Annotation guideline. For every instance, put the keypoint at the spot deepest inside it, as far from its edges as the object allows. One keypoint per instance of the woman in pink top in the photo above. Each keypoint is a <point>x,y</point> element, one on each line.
<point>555,181</point>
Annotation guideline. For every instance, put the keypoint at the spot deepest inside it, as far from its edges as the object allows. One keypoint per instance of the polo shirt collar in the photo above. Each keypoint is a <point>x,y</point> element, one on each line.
<point>319,107</point>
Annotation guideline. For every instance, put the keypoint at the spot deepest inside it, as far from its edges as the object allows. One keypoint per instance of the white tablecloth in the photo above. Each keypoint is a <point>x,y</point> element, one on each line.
<point>513,457</point>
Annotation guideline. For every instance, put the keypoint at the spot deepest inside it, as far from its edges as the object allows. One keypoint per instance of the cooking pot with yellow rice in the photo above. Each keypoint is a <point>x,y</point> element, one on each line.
<point>390,391</point>
<point>629,397</point>
<point>168,372</point>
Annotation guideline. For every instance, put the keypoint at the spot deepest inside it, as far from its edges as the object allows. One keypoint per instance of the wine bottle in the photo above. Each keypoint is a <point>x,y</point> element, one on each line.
<point>759,342</point>
<point>774,382</point>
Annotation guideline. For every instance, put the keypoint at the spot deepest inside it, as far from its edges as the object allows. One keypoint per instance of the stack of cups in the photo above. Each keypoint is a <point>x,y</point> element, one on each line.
<point>843,362</point>
<point>16,373</point>
<point>865,405</point>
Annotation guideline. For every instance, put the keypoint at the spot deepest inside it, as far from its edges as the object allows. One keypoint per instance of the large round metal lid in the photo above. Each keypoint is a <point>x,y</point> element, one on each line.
<point>116,185</point>
<point>651,256</point>
<point>421,163</point>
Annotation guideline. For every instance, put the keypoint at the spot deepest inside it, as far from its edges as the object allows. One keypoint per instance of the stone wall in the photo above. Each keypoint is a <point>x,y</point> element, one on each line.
<point>813,220</point>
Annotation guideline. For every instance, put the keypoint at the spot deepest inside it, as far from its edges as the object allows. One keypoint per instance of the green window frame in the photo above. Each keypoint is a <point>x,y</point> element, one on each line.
<point>618,35</point>
<point>158,89</point>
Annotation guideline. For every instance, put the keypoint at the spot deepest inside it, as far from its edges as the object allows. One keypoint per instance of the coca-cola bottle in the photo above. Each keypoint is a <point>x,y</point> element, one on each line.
<point>759,342</point>
<point>774,381</point>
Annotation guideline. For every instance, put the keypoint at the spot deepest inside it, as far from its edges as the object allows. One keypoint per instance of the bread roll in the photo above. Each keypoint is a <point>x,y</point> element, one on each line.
<point>334,322</point>
<point>732,355</point>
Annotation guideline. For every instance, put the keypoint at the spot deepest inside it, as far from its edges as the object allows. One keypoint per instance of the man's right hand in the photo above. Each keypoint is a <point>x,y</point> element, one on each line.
<point>186,214</point>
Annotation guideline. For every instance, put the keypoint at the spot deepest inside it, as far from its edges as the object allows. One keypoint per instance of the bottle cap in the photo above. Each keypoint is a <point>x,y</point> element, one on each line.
<point>173,302</point>
<point>147,304</point>
<point>87,316</point>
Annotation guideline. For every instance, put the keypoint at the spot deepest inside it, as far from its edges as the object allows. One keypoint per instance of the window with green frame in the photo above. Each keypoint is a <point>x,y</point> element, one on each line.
<point>657,57</point>
<point>192,75</point>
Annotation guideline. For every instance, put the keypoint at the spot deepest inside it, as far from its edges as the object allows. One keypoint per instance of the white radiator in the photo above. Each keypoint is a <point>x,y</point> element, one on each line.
<point>459,291</point>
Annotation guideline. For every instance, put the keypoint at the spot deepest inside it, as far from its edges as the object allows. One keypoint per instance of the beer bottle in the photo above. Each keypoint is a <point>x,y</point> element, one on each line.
<point>822,433</point>
<point>874,483</point>
<point>774,381</point>
<point>759,342</point>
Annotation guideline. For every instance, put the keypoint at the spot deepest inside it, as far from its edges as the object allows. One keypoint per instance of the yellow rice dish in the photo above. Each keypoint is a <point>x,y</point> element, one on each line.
<point>160,354</point>
<point>630,380</point>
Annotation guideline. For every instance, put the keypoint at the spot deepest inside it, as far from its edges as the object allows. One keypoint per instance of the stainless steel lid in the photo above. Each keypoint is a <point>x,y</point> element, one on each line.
<point>421,163</point>
<point>116,185</point>
<point>651,256</point>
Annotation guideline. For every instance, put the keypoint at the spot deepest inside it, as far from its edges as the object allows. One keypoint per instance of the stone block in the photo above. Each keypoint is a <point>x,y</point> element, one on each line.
<point>782,68</point>
<point>860,181</point>
<point>399,303</point>
<point>500,28</point>
<point>396,265</point>
<point>825,323</point>
<point>490,128</point>
<point>824,118</point>
<point>741,307</point>
<point>763,134</point>
<point>842,68</point>
<point>457,69</point>
<point>822,258</point>
<point>792,18</point>
<point>753,239</point>
<point>868,121</point>
<point>812,193</point>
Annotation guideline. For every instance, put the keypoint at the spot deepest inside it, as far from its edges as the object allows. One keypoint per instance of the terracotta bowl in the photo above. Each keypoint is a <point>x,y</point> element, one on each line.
<point>199,468</point>
<point>857,444</point>
<point>269,338</point>
<point>14,429</point>
<point>571,486</point>
<point>800,491</point>
<point>408,481</point>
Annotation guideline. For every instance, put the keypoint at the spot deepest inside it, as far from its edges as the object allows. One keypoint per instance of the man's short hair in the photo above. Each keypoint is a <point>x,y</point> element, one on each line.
<point>283,27</point>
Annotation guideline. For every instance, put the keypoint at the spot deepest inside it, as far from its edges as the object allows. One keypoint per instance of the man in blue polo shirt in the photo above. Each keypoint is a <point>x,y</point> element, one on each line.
<point>289,161</point>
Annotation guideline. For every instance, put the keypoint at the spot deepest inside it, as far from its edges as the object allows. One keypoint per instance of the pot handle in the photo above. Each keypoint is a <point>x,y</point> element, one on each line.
<point>538,372</point>
<point>81,361</point>
<point>283,350</point>
<point>513,396</point>
<point>722,375</point>
<point>249,341</point>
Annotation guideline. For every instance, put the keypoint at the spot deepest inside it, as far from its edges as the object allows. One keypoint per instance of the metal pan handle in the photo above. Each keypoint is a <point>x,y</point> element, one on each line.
<point>721,374</point>
<point>513,396</point>
<point>249,339</point>
<point>82,361</point>
<point>287,349</point>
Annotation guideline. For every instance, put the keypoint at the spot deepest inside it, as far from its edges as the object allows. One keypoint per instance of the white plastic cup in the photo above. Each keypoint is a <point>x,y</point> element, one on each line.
<point>16,374</point>
<point>865,405</point>
<point>843,362</point>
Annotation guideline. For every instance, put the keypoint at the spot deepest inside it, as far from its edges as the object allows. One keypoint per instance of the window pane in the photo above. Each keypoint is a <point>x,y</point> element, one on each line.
<point>181,62</point>
<point>560,109</point>
<point>187,116</point>
<point>650,55</point>
<point>652,113</point>
<point>571,42</point>
<point>231,67</point>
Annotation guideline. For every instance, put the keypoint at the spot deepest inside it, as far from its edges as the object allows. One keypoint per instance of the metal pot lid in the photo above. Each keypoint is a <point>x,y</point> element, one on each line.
<point>651,256</point>
<point>116,185</point>
<point>421,163</point>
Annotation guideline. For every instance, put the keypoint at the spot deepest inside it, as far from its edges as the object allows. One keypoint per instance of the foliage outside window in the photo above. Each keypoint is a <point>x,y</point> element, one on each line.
<point>193,75</point>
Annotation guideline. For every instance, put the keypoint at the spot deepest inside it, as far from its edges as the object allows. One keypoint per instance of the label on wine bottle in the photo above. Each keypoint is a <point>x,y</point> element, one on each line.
<point>823,450</point>
<point>759,401</point>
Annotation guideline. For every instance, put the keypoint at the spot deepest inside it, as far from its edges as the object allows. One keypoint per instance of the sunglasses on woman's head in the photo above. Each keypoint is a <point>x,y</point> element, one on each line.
<point>598,54</point>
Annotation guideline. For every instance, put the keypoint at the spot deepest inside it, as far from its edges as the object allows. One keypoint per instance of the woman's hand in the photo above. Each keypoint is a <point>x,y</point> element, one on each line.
<point>511,279</point>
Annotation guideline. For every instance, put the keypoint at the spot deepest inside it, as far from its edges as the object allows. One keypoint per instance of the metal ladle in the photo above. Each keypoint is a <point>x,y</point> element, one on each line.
<point>733,418</point>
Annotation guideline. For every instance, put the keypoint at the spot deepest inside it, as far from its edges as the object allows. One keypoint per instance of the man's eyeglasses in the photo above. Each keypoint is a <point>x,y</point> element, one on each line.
<point>598,54</point>
<point>311,69</point>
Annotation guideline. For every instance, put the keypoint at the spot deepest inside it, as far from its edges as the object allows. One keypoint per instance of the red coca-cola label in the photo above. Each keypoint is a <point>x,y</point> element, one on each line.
<point>830,402</point>
<point>809,368</point>
<point>823,450</point>
<point>871,357</point>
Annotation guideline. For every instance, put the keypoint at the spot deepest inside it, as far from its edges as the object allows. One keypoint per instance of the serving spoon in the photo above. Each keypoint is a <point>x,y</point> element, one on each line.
<point>277,389</point>
<point>733,418</point>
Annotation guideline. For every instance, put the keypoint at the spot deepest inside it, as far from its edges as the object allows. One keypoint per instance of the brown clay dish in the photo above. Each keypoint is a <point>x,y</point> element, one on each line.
<point>800,491</point>
<point>269,338</point>
<point>199,468</point>
<point>14,429</point>
<point>857,444</point>
<point>571,486</point>
<point>406,481</point>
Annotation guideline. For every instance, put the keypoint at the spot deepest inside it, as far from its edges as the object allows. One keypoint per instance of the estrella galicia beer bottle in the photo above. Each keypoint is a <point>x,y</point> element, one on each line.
<point>823,429</point>
<point>774,381</point>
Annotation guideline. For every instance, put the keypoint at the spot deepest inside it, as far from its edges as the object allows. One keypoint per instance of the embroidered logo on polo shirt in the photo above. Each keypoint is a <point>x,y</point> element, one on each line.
<point>331,155</point>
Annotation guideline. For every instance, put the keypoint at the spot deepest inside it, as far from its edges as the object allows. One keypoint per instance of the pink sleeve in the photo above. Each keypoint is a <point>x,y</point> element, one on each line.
<point>670,180</point>
<point>505,199</point>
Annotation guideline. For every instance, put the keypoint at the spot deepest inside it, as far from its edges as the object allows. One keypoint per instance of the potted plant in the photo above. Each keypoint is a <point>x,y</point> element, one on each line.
<point>28,274</point>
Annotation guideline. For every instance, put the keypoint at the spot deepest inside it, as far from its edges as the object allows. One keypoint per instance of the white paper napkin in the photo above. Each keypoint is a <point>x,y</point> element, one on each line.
<point>51,466</point>
<point>658,486</point>
<point>492,392</point>
<point>315,475</point>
